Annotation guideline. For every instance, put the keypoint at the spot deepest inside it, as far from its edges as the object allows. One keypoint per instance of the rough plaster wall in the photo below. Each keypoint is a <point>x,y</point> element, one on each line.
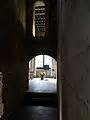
<point>76,85</point>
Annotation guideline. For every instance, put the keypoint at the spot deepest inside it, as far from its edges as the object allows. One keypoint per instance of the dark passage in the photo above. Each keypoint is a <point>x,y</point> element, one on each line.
<point>38,106</point>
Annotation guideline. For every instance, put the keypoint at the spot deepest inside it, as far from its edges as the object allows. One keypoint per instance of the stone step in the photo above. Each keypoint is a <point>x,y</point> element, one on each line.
<point>40,99</point>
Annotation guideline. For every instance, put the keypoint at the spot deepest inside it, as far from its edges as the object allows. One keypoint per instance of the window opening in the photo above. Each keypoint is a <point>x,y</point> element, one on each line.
<point>39,19</point>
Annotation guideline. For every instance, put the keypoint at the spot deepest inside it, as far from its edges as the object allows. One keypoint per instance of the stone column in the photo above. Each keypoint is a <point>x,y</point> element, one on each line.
<point>60,12</point>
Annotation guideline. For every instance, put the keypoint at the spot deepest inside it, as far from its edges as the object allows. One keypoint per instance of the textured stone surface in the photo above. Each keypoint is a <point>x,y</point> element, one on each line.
<point>76,60</point>
<point>1,104</point>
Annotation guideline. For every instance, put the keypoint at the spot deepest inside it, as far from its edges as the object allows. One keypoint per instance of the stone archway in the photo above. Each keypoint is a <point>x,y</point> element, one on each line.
<point>42,51</point>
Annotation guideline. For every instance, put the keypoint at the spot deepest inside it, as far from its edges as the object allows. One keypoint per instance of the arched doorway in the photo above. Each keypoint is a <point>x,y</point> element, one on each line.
<point>43,74</point>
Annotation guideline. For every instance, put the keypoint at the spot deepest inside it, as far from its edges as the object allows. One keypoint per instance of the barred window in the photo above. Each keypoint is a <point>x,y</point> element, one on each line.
<point>39,25</point>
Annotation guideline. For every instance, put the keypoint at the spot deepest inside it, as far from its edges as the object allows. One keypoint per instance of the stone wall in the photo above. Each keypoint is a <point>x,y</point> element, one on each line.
<point>76,60</point>
<point>13,91</point>
<point>12,60</point>
<point>1,86</point>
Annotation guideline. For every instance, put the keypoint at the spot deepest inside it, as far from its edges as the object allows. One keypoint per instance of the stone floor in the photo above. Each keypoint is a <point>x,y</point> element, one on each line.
<point>40,101</point>
<point>48,85</point>
<point>37,113</point>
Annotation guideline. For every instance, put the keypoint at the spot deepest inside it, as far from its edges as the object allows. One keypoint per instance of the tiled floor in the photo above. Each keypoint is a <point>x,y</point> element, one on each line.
<point>37,113</point>
<point>48,85</point>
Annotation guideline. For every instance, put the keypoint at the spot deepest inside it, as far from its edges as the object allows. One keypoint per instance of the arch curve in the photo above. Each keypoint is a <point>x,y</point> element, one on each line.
<point>42,51</point>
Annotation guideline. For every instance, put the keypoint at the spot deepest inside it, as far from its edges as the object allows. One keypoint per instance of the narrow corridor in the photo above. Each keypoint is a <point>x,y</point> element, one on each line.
<point>57,28</point>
